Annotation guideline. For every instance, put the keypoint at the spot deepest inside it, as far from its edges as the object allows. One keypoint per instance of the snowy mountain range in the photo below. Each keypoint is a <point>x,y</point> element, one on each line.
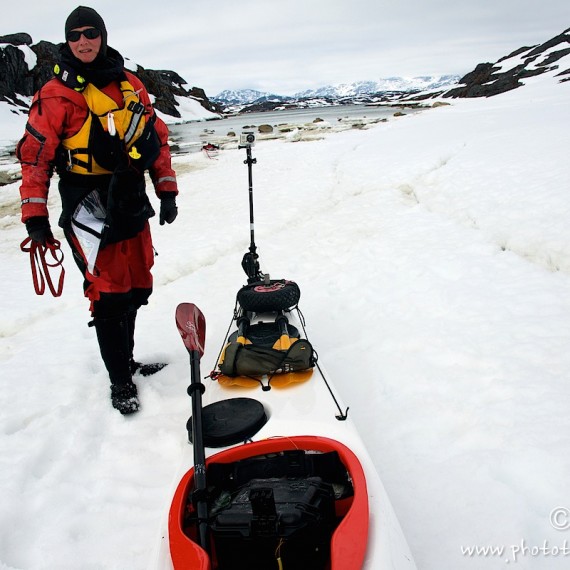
<point>400,84</point>
<point>342,90</point>
<point>244,96</point>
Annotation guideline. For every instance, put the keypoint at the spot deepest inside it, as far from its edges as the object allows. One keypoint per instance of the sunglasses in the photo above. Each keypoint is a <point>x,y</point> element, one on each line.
<point>89,33</point>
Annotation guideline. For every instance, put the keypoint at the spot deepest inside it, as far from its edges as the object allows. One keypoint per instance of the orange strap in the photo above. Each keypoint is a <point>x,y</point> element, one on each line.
<point>40,265</point>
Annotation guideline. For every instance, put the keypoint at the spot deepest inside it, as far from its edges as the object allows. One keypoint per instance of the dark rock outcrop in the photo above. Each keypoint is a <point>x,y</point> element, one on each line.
<point>47,54</point>
<point>484,82</point>
<point>17,80</point>
<point>20,39</point>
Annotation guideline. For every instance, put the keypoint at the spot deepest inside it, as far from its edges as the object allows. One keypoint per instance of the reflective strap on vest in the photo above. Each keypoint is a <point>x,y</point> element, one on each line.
<point>137,110</point>
<point>34,201</point>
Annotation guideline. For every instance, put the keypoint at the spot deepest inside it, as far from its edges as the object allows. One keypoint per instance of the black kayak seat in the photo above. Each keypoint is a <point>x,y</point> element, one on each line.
<point>229,422</point>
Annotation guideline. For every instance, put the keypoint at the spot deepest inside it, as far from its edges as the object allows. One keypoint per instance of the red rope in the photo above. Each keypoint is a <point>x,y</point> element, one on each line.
<point>40,265</point>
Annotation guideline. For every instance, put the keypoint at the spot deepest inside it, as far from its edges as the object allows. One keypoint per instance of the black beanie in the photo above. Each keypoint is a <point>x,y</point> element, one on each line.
<point>84,16</point>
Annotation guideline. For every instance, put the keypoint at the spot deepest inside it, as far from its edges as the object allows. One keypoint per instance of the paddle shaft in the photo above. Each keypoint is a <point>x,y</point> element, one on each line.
<point>192,328</point>
<point>196,389</point>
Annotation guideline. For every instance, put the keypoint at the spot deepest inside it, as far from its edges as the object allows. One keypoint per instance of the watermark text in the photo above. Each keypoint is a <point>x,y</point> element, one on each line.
<point>516,552</point>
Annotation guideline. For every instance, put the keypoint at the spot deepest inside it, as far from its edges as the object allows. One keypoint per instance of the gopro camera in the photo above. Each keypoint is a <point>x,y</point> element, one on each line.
<point>246,139</point>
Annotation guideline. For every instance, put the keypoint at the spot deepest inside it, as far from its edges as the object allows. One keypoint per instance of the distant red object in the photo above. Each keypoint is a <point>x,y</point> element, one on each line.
<point>211,149</point>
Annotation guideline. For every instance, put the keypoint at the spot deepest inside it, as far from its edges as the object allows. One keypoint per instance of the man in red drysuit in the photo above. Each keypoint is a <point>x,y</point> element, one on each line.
<point>95,125</point>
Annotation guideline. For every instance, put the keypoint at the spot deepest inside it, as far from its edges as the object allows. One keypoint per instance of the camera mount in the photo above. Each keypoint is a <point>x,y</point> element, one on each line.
<point>246,139</point>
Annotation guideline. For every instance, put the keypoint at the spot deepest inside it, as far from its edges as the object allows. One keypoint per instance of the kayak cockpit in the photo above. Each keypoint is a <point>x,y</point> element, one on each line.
<point>285,503</point>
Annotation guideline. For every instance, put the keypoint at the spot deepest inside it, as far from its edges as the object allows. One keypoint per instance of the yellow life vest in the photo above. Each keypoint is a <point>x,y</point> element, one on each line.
<point>95,149</point>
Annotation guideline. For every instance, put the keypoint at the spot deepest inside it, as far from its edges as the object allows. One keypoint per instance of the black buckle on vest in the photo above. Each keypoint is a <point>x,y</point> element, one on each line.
<point>136,107</point>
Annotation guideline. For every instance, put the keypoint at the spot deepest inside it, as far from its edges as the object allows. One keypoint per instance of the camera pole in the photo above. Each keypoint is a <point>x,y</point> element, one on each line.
<point>250,263</point>
<point>250,161</point>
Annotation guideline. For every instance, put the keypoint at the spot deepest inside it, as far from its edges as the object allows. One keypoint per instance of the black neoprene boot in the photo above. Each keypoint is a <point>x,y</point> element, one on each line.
<point>138,367</point>
<point>125,398</point>
<point>114,344</point>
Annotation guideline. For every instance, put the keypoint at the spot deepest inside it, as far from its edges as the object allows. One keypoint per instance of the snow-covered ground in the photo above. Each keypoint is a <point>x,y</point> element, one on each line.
<point>433,255</point>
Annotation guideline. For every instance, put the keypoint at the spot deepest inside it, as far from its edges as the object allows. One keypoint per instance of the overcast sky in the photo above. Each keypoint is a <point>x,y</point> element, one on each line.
<point>286,47</point>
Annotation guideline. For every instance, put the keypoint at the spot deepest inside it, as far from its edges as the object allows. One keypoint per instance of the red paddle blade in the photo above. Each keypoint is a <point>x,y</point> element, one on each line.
<point>191,326</point>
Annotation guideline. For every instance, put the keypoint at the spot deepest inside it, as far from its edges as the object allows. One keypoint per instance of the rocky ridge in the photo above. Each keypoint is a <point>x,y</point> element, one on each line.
<point>509,72</point>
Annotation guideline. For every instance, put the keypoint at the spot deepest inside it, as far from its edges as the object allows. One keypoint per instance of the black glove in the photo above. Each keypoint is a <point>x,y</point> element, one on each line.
<point>39,229</point>
<point>168,209</point>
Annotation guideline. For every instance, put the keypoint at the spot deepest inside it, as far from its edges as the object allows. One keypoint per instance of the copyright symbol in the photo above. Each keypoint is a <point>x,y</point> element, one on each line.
<point>560,518</point>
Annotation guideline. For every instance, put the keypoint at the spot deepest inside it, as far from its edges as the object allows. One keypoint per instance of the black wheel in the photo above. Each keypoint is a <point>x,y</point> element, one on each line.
<point>278,295</point>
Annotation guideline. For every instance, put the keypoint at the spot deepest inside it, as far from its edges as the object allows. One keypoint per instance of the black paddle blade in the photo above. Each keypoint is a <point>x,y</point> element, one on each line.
<point>191,326</point>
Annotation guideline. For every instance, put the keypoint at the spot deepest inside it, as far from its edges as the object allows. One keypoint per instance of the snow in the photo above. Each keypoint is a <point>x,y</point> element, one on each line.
<point>520,59</point>
<point>29,56</point>
<point>190,110</point>
<point>12,123</point>
<point>433,255</point>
